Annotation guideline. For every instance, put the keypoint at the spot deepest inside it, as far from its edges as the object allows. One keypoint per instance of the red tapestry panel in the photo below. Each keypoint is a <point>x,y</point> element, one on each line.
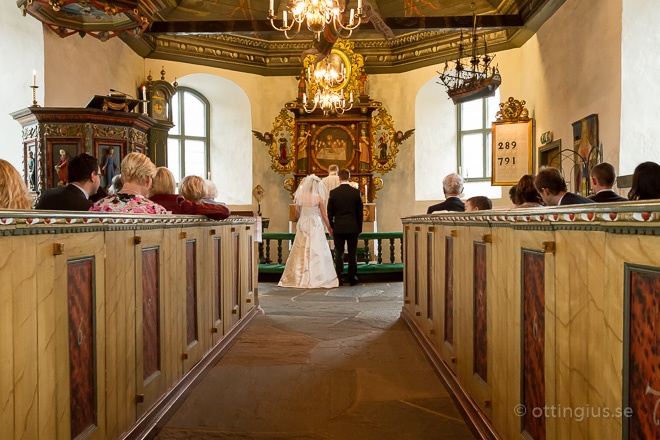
<point>644,360</point>
<point>80,295</point>
<point>449,290</point>
<point>480,317</point>
<point>191,291</point>
<point>218,278</point>
<point>150,313</point>
<point>533,353</point>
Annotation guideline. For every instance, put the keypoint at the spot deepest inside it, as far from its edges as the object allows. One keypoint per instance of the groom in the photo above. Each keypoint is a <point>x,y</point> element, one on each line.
<point>345,216</point>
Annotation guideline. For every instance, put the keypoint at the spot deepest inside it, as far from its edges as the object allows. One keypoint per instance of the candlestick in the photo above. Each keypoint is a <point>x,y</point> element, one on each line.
<point>34,96</point>
<point>144,100</point>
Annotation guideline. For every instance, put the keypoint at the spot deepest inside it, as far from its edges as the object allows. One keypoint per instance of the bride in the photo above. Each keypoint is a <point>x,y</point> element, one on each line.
<point>310,263</point>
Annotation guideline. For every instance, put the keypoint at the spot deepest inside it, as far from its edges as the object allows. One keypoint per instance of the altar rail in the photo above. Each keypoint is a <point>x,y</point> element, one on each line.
<point>366,241</point>
<point>555,310</point>
<point>107,320</point>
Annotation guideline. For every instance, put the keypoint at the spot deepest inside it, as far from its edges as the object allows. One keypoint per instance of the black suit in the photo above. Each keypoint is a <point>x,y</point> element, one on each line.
<point>607,196</point>
<point>345,216</point>
<point>64,198</point>
<point>574,199</point>
<point>452,203</point>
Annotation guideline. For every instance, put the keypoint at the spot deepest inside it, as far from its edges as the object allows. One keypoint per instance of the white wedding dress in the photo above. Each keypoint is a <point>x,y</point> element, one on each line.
<point>310,264</point>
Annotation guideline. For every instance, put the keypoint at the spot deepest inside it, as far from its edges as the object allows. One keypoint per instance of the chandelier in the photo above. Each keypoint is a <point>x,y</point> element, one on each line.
<point>317,14</point>
<point>470,78</point>
<point>329,96</point>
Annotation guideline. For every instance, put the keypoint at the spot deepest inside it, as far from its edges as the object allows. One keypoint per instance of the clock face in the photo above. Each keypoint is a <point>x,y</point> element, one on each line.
<point>159,105</point>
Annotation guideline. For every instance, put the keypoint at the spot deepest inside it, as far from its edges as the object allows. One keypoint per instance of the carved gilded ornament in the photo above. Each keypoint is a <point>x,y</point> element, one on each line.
<point>289,185</point>
<point>63,130</point>
<point>378,185</point>
<point>137,136</point>
<point>385,140</point>
<point>110,132</point>
<point>280,143</point>
<point>512,110</point>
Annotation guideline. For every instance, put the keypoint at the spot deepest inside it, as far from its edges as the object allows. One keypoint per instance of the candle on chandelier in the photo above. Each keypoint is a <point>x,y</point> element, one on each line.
<point>351,96</point>
<point>271,7</point>
<point>359,5</point>
<point>352,15</point>
<point>285,25</point>
<point>304,98</point>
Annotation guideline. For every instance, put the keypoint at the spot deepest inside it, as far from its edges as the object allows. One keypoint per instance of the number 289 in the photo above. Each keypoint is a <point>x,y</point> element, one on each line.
<point>506,145</point>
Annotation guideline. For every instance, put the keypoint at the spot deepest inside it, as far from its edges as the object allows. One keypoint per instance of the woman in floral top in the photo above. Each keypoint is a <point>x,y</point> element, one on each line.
<point>137,174</point>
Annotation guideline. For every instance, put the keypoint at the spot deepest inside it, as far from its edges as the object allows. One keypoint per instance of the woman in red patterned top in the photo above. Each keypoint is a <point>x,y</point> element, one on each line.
<point>162,192</point>
<point>137,174</point>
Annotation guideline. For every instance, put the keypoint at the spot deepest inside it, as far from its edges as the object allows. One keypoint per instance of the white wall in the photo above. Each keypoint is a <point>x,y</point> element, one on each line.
<point>570,69</point>
<point>640,88</point>
<point>231,138</point>
<point>21,52</point>
<point>79,68</point>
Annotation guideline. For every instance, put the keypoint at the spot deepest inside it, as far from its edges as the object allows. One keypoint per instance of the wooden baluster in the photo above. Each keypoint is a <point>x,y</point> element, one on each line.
<point>380,250</point>
<point>367,251</point>
<point>279,251</point>
<point>268,251</point>
<point>261,252</point>
<point>392,256</point>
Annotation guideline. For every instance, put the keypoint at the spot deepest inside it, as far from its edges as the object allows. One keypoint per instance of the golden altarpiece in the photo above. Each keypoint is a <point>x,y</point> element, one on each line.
<point>361,139</point>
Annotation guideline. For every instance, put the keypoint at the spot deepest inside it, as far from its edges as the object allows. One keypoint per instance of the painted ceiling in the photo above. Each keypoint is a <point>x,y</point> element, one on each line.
<point>236,35</point>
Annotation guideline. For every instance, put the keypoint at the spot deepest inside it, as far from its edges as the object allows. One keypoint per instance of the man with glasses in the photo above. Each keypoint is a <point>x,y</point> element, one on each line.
<point>84,182</point>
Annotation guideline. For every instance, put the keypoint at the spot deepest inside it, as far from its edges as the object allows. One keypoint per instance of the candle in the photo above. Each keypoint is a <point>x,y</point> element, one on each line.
<point>34,78</point>
<point>285,25</point>
<point>305,98</point>
<point>208,174</point>
<point>271,7</point>
<point>351,95</point>
<point>359,6</point>
<point>144,100</point>
<point>352,14</point>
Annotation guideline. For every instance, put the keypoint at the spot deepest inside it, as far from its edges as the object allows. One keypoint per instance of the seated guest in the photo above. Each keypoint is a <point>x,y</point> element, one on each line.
<point>212,194</point>
<point>162,192</point>
<point>193,188</point>
<point>116,186</point>
<point>137,173</point>
<point>478,203</point>
<point>526,193</point>
<point>645,182</point>
<point>512,195</point>
<point>452,186</point>
<point>13,192</point>
<point>84,180</point>
<point>603,177</point>
<point>552,188</point>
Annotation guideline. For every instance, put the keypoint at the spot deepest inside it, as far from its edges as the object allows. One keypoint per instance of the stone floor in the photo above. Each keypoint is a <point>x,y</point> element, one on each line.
<point>322,364</point>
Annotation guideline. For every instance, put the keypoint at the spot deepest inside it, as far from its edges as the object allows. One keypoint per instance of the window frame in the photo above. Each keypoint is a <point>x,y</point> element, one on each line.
<point>485,131</point>
<point>182,137</point>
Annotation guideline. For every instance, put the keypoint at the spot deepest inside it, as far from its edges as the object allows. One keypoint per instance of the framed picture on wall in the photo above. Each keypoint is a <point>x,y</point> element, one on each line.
<point>333,144</point>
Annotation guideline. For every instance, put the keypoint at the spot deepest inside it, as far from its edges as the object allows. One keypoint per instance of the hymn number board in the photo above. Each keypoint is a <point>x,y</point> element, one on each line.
<point>512,148</point>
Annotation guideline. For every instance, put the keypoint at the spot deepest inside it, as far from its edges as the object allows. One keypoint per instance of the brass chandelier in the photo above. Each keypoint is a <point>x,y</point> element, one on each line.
<point>318,14</point>
<point>329,96</point>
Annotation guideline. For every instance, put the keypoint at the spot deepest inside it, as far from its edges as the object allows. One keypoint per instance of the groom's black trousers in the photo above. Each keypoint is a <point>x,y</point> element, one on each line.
<point>351,240</point>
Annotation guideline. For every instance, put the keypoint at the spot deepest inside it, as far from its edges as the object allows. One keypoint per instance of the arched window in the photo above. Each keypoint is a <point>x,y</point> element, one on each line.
<point>188,140</point>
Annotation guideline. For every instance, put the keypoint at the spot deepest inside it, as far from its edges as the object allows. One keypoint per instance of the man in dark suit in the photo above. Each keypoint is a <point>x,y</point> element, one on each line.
<point>553,190</point>
<point>84,181</point>
<point>603,177</point>
<point>452,186</point>
<point>345,216</point>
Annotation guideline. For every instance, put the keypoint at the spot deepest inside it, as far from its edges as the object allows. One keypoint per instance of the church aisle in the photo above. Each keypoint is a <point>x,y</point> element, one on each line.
<point>321,364</point>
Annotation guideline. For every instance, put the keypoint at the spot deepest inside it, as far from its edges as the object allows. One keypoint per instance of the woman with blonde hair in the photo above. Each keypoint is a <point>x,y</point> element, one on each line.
<point>137,173</point>
<point>193,188</point>
<point>163,192</point>
<point>13,192</point>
